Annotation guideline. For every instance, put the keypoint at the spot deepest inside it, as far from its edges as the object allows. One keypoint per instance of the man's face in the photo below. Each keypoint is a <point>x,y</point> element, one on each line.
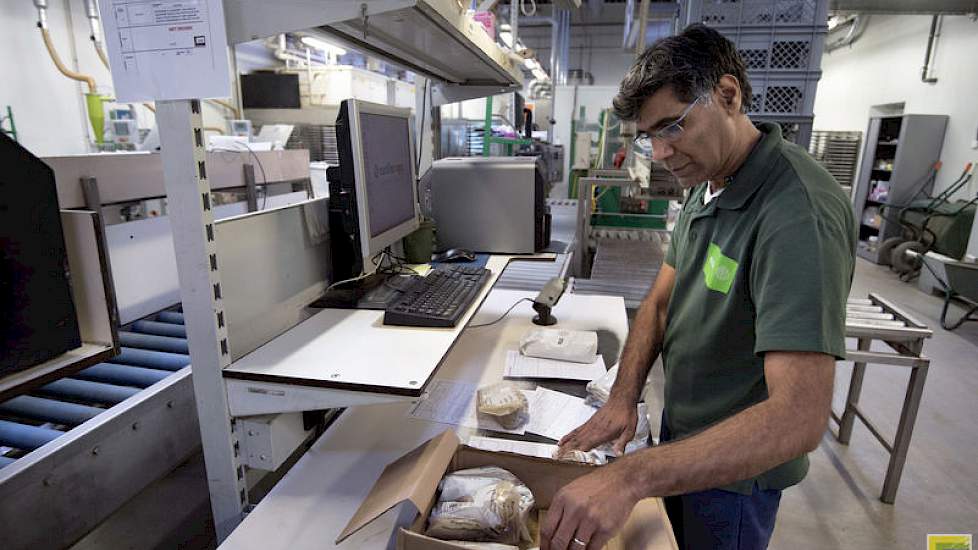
<point>698,153</point>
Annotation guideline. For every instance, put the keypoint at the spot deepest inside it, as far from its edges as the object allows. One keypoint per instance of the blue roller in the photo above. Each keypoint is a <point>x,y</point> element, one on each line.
<point>152,359</point>
<point>174,317</point>
<point>153,342</point>
<point>49,410</point>
<point>21,436</point>
<point>160,329</point>
<point>84,390</point>
<point>6,460</point>
<point>123,375</point>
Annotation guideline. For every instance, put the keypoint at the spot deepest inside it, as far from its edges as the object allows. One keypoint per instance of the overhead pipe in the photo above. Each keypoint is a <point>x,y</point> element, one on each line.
<point>85,390</point>
<point>49,410</point>
<point>935,32</point>
<point>152,359</point>
<point>93,101</point>
<point>24,437</point>
<point>857,26</point>
<point>91,12</point>
<point>42,23</point>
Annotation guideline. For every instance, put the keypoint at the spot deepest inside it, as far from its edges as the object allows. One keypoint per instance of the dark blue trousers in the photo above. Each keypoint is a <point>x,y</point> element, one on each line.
<point>721,520</point>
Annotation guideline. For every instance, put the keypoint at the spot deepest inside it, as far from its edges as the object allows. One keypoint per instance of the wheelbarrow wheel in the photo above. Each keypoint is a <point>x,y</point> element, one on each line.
<point>903,263</point>
<point>887,248</point>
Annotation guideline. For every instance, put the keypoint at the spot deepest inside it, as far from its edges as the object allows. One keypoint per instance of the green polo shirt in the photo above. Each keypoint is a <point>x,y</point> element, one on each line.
<point>766,266</point>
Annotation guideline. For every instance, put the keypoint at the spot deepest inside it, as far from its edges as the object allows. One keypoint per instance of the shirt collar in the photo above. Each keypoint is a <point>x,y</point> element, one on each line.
<point>755,170</point>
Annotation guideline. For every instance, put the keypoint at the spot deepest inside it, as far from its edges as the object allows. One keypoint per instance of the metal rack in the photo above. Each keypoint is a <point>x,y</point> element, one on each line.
<point>837,151</point>
<point>469,66</point>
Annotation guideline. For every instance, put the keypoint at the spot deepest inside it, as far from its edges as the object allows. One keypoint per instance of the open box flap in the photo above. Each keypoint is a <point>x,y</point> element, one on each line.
<point>414,478</point>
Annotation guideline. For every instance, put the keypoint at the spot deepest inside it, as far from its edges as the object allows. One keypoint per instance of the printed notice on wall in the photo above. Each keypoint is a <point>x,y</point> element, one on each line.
<point>166,49</point>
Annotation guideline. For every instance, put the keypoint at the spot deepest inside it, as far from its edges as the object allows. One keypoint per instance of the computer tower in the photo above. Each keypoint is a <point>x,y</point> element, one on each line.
<point>37,316</point>
<point>345,244</point>
<point>490,204</point>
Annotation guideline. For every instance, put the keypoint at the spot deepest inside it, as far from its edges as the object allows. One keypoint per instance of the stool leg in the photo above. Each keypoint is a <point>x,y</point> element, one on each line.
<point>908,416</point>
<point>855,388</point>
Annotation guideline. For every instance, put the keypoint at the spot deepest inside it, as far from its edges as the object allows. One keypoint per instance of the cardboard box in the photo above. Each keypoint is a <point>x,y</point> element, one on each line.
<point>414,478</point>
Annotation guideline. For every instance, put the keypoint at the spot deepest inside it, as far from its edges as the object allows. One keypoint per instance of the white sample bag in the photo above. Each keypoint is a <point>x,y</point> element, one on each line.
<point>576,346</point>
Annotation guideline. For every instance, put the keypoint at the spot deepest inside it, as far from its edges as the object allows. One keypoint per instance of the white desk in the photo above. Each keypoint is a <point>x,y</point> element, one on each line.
<point>345,357</point>
<point>310,506</point>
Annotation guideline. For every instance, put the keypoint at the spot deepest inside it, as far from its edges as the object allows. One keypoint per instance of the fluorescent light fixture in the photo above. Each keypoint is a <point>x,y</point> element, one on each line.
<point>318,44</point>
<point>530,63</point>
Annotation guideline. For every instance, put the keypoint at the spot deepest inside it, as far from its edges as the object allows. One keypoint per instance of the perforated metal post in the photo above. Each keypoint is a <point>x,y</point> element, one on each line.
<point>192,221</point>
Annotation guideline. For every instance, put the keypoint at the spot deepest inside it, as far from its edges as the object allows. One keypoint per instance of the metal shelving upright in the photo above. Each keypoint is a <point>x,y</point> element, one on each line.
<point>475,68</point>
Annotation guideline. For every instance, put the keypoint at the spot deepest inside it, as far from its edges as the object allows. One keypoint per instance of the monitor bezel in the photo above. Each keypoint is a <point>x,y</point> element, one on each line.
<point>371,246</point>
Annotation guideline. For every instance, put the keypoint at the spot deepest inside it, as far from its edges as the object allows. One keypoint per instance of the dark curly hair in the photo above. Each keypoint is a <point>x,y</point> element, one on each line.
<point>691,62</point>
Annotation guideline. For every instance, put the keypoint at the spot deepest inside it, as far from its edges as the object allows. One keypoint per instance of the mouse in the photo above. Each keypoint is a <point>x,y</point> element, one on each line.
<point>454,255</point>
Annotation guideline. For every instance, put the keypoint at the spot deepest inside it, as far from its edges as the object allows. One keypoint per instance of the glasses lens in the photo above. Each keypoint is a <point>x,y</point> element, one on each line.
<point>671,132</point>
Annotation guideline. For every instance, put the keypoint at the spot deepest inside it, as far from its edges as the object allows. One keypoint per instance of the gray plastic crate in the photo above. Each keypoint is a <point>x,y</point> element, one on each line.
<point>742,13</point>
<point>796,129</point>
<point>779,50</point>
<point>783,94</point>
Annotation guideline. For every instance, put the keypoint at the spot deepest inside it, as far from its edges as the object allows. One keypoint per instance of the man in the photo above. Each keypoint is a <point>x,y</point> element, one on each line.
<point>748,313</point>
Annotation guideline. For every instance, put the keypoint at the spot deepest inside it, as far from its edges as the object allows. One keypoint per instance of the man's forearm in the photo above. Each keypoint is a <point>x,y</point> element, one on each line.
<point>641,349</point>
<point>776,430</point>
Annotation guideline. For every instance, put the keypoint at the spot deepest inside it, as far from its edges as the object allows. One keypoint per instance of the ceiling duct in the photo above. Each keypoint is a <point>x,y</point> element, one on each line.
<point>905,7</point>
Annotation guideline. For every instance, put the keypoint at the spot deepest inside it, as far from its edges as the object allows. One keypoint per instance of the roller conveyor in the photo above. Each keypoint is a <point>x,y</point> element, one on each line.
<point>123,375</point>
<point>153,359</point>
<point>153,349</point>
<point>49,410</point>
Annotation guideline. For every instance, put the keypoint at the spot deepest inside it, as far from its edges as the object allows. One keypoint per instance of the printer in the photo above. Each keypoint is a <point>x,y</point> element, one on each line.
<point>490,204</point>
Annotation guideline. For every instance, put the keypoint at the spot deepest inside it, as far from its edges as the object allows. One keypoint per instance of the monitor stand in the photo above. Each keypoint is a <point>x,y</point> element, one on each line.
<point>374,291</point>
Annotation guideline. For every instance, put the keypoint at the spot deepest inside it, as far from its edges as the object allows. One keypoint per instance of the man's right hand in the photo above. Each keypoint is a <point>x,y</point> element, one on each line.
<point>615,421</point>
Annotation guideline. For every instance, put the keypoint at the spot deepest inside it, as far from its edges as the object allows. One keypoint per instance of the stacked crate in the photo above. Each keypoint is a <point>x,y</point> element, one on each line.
<point>781,42</point>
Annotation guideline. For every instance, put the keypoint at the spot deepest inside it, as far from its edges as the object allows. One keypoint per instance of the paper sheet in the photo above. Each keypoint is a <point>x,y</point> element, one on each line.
<point>166,49</point>
<point>554,414</point>
<point>521,366</point>
<point>528,448</point>
<point>451,402</point>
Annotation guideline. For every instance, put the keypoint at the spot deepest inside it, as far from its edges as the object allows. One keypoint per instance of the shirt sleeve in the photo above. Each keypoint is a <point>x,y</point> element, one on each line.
<point>800,277</point>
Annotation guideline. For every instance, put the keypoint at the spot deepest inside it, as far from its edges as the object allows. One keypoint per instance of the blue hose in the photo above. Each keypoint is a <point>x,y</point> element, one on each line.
<point>174,317</point>
<point>151,359</point>
<point>84,390</point>
<point>22,436</point>
<point>49,410</point>
<point>160,329</point>
<point>153,342</point>
<point>123,375</point>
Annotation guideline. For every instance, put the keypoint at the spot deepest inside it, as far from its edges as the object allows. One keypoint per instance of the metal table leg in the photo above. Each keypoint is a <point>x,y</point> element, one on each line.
<point>901,443</point>
<point>852,400</point>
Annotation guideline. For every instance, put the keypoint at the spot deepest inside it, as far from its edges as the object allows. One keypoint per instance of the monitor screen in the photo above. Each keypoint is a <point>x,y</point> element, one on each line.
<point>387,171</point>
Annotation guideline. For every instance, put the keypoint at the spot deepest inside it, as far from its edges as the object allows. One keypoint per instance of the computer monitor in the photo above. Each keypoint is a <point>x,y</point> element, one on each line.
<point>378,189</point>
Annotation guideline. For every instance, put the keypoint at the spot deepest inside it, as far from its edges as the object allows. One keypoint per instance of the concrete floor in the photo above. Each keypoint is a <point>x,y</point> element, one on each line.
<point>837,505</point>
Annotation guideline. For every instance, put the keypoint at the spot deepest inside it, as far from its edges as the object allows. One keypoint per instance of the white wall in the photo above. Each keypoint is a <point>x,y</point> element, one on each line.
<point>49,108</point>
<point>884,67</point>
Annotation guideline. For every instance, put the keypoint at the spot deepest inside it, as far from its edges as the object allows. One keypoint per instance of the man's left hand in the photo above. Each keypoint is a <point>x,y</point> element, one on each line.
<point>587,512</point>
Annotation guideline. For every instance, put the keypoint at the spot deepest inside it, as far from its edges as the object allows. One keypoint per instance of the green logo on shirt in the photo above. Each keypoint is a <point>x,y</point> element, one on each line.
<point>719,270</point>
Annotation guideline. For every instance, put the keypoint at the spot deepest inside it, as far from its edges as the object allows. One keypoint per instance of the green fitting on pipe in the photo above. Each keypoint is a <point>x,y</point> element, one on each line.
<point>96,115</point>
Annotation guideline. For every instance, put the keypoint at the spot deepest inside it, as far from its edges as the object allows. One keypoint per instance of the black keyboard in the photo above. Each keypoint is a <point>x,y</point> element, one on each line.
<point>439,299</point>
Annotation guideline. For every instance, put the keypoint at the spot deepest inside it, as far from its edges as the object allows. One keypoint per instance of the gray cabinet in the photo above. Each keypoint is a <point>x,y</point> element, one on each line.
<point>898,155</point>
